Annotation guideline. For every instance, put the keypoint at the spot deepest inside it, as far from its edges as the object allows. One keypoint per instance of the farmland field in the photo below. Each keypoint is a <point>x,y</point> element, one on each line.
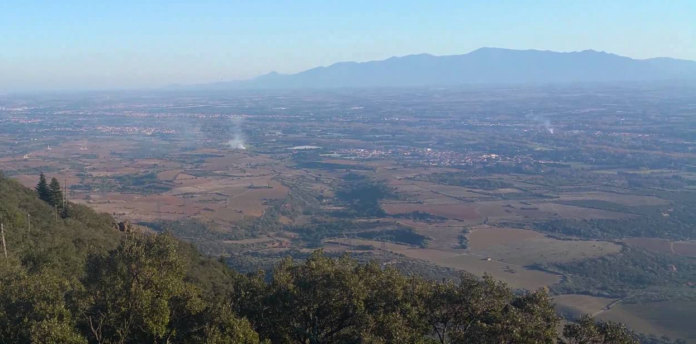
<point>527,247</point>
<point>682,248</point>
<point>587,191</point>
<point>516,276</point>
<point>583,304</point>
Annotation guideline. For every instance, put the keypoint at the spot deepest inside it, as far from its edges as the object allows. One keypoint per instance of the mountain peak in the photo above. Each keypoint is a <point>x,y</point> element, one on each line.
<point>599,52</point>
<point>270,76</point>
<point>488,50</point>
<point>487,65</point>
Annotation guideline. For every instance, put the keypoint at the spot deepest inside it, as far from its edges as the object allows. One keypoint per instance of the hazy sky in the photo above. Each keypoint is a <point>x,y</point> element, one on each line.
<point>98,44</point>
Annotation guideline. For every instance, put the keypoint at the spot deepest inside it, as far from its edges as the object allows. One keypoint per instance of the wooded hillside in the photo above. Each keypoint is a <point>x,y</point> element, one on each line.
<point>76,279</point>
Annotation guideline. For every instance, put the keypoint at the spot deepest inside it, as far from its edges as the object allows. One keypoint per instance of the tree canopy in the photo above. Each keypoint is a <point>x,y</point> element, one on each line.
<point>42,189</point>
<point>56,194</point>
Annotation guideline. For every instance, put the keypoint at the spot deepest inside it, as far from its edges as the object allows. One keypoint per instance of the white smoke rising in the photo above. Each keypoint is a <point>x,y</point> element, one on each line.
<point>237,143</point>
<point>544,121</point>
<point>238,140</point>
<point>547,125</point>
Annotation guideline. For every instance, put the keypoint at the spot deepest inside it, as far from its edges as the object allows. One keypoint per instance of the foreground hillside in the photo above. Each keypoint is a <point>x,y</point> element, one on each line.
<point>76,279</point>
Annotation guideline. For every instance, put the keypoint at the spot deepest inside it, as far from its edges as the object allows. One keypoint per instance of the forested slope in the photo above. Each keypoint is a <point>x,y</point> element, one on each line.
<point>74,278</point>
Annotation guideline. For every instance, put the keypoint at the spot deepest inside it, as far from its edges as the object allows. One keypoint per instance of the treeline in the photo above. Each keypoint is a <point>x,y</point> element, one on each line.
<point>675,223</point>
<point>254,261</point>
<point>634,275</point>
<point>401,235</point>
<point>144,291</point>
<point>361,196</point>
<point>611,157</point>
<point>145,183</point>
<point>319,229</point>
<point>463,179</point>
<point>420,216</point>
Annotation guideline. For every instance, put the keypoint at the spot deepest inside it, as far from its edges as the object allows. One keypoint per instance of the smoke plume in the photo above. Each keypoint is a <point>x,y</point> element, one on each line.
<point>543,120</point>
<point>238,140</point>
<point>547,125</point>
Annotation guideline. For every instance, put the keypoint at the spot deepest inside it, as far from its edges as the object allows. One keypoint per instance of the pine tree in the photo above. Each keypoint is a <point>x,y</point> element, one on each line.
<point>42,189</point>
<point>56,193</point>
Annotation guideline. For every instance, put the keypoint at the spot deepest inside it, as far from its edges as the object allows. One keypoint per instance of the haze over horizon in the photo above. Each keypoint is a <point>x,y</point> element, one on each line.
<point>81,45</point>
<point>339,172</point>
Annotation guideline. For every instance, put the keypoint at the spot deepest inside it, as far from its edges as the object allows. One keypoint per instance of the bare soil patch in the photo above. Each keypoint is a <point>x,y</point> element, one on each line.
<point>482,237</point>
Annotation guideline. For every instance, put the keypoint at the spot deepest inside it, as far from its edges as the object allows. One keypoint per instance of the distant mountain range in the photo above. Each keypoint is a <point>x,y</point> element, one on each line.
<point>482,66</point>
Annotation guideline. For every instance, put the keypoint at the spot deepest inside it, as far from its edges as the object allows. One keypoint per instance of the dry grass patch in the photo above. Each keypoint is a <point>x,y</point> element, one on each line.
<point>482,237</point>
<point>685,248</point>
<point>582,304</point>
<point>516,276</point>
<point>525,247</point>
<point>672,318</point>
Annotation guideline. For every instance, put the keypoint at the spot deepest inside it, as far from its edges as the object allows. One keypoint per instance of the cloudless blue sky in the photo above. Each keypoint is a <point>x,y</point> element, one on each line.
<point>97,44</point>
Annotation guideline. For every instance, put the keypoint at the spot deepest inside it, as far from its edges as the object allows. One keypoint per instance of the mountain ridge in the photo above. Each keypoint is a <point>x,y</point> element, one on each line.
<point>481,66</point>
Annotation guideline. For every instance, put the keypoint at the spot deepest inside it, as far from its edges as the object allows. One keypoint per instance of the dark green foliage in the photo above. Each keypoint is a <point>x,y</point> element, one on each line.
<point>633,274</point>
<point>50,193</point>
<point>652,339</point>
<point>268,222</point>
<point>674,221</point>
<point>146,183</point>
<point>402,235</point>
<point>657,226</point>
<point>137,290</point>
<point>60,244</point>
<point>325,300</point>
<point>485,311</point>
<point>673,182</point>
<point>352,176</point>
<point>42,189</point>
<point>33,307</point>
<point>463,239</point>
<point>56,194</point>
<point>362,197</point>
<point>586,331</point>
<point>318,230</point>
<point>465,180</point>
<point>266,261</point>
<point>420,216</point>
<point>78,281</point>
<point>301,200</point>
<point>221,325</point>
<point>139,293</point>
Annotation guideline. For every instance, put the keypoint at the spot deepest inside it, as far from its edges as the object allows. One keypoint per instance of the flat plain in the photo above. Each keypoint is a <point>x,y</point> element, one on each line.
<point>540,187</point>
